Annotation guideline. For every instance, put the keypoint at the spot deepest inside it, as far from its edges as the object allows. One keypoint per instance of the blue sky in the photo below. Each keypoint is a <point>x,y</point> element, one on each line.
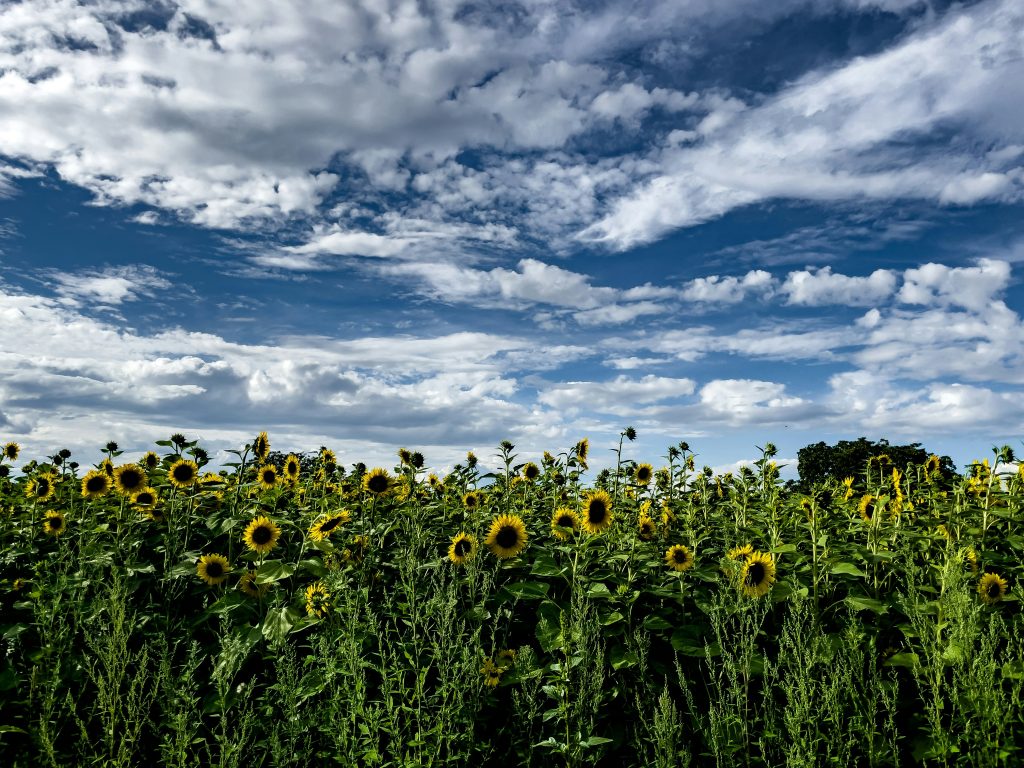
<point>438,225</point>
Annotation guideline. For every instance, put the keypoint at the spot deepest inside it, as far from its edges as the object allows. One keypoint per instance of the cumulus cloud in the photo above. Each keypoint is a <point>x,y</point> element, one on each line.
<point>622,394</point>
<point>973,288</point>
<point>819,287</point>
<point>110,286</point>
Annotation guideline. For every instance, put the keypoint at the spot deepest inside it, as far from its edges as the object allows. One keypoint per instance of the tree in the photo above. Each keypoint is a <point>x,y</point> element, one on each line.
<point>849,458</point>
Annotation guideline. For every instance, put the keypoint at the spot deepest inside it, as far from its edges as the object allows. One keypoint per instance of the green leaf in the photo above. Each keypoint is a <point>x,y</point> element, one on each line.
<point>847,569</point>
<point>908,660</point>
<point>529,590</point>
<point>598,590</point>
<point>784,549</point>
<point>595,741</point>
<point>549,626</point>
<point>655,623</point>
<point>279,623</point>
<point>545,565</point>
<point>273,570</point>
<point>867,604</point>
<point>612,618</point>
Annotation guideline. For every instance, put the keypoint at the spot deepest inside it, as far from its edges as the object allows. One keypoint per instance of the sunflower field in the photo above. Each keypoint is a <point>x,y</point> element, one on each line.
<point>300,611</point>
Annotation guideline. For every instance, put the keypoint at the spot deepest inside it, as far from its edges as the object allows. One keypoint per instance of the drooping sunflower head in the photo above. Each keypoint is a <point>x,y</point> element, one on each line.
<point>53,523</point>
<point>868,507</point>
<point>291,468</point>
<point>328,460</point>
<point>318,600</point>
<point>679,558</point>
<point>405,457</point>
<point>462,549</point>
<point>971,561</point>
<point>643,473</point>
<point>564,523</point>
<point>328,524</point>
<point>261,535</point>
<point>129,478</point>
<point>992,588</point>
<point>183,473</point>
<point>213,569</point>
<point>531,471</point>
<point>646,528</point>
<point>581,449</point>
<point>250,586</point>
<point>11,451</point>
<point>377,481</point>
<point>41,487</point>
<point>267,477</point>
<point>144,499</point>
<point>507,536</point>
<point>757,575</point>
<point>107,466</point>
<point>261,447</point>
<point>95,484</point>
<point>597,511</point>
<point>472,499</point>
<point>931,466</point>
<point>741,552</point>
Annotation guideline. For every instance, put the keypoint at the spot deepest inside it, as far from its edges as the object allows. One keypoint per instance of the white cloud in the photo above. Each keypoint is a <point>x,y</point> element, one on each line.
<point>745,401</point>
<point>620,395</point>
<point>109,286</point>
<point>973,288</point>
<point>729,290</point>
<point>820,287</point>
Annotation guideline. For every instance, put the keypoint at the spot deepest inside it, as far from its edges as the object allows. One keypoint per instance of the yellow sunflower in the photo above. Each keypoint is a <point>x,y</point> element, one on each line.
<point>757,575</point>
<point>291,468</point>
<point>129,478</point>
<point>261,447</point>
<point>679,558</point>
<point>41,487</point>
<point>95,484</point>
<point>646,528</point>
<point>267,476</point>
<point>740,553</point>
<point>992,588</point>
<point>971,561</point>
<point>261,535</point>
<point>491,672</point>
<point>249,585</point>
<point>213,569</point>
<point>53,523</point>
<point>462,549</point>
<point>507,536</point>
<point>472,499</point>
<point>643,473</point>
<point>11,451</point>
<point>144,499</point>
<point>183,473</point>
<point>564,523</point>
<point>150,461</point>
<point>327,524</point>
<point>377,481</point>
<point>328,460</point>
<point>597,511</point>
<point>318,600</point>
<point>868,507</point>
<point>848,488</point>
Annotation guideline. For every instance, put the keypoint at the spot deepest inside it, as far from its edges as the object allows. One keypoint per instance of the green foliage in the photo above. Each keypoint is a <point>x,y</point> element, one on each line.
<point>819,462</point>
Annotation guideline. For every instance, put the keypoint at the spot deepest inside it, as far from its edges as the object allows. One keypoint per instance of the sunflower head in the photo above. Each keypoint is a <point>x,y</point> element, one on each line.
<point>144,498</point>
<point>971,561</point>
<point>597,511</point>
<point>183,473</point>
<point>472,499</point>
<point>213,569</point>
<point>328,460</point>
<point>564,523</point>
<point>740,553</point>
<point>53,523</point>
<point>581,449</point>
<point>261,535</point>
<point>757,575</point>
<point>318,600</point>
<point>646,528</point>
<point>679,558</point>
<point>150,461</point>
<point>95,484</point>
<point>992,588</point>
<point>643,473</point>
<point>291,468</point>
<point>491,672</point>
<point>868,508</point>
<point>129,478</point>
<point>261,447</point>
<point>328,524</point>
<point>41,487</point>
<point>462,549</point>
<point>11,451</point>
<point>531,471</point>
<point>250,586</point>
<point>267,476</point>
<point>377,481</point>
<point>507,536</point>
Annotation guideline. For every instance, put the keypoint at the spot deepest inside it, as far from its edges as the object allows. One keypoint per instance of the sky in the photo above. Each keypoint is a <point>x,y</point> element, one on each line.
<point>373,224</point>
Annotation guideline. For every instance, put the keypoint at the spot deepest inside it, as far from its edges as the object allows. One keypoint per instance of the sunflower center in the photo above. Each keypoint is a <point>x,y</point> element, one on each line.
<point>130,478</point>
<point>507,537</point>
<point>565,521</point>
<point>993,590</point>
<point>377,484</point>
<point>330,525</point>
<point>56,523</point>
<point>42,487</point>
<point>183,473</point>
<point>262,535</point>
<point>755,574</point>
<point>680,556</point>
<point>214,569</point>
<point>462,547</point>
<point>144,498</point>
<point>597,511</point>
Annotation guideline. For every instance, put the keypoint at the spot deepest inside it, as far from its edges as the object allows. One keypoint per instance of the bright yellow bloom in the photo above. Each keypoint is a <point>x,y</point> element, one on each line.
<point>507,536</point>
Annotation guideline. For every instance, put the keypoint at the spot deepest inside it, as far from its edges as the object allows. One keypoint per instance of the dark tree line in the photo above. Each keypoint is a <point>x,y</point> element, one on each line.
<point>849,458</point>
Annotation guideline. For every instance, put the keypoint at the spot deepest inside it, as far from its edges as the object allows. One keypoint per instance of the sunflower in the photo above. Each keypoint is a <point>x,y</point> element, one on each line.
<point>318,600</point>
<point>129,478</point>
<point>150,461</point>
<point>643,473</point>
<point>597,511</point>
<point>291,468</point>
<point>11,451</point>
<point>992,588</point>
<point>564,518</point>
<point>249,585</point>
<point>267,476</point>
<point>145,498</point>
<point>183,473</point>
<point>531,471</point>
<point>377,481</point>
<point>757,575</point>
<point>582,448</point>
<point>507,536</point>
<point>491,672</point>
<point>646,528</point>
<point>213,569</point>
<point>327,524</point>
<point>41,487</point>
<point>53,523</point>
<point>261,535</point>
<point>867,507</point>
<point>679,558</point>
<point>462,549</point>
<point>740,553</point>
<point>261,447</point>
<point>848,488</point>
<point>472,499</point>
<point>107,466</point>
<point>328,460</point>
<point>971,561</point>
<point>95,484</point>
